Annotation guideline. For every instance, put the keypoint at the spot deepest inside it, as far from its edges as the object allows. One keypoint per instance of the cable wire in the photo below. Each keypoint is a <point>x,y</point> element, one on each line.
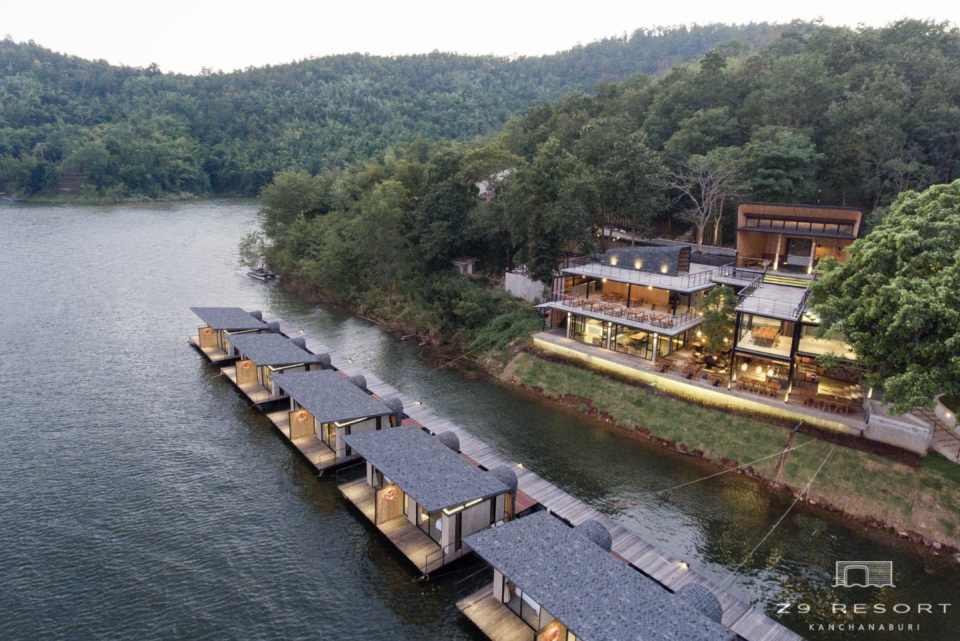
<point>780,520</point>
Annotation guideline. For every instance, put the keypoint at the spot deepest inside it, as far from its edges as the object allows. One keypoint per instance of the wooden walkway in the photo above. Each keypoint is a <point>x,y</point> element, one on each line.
<point>316,451</point>
<point>493,618</point>
<point>749,623</point>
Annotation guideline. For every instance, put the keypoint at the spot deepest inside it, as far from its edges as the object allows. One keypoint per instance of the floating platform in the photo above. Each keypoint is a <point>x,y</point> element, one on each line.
<point>214,354</point>
<point>739,616</point>
<point>493,618</point>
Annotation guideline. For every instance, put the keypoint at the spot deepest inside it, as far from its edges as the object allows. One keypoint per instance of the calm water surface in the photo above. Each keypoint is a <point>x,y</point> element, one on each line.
<point>141,498</point>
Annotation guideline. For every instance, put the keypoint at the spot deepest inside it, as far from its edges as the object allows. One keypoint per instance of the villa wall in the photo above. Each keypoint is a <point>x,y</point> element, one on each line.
<point>907,432</point>
<point>524,287</point>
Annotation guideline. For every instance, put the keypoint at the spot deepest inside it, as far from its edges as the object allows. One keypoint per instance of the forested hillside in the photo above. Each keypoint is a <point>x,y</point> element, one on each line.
<point>126,131</point>
<point>831,115</point>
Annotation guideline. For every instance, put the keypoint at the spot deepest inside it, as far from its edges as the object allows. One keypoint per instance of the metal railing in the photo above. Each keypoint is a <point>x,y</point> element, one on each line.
<point>733,272</point>
<point>592,267</point>
<point>650,318</point>
<point>351,473</point>
<point>441,556</point>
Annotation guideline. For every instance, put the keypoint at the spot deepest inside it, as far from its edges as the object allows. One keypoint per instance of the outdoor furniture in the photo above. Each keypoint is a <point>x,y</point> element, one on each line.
<point>765,336</point>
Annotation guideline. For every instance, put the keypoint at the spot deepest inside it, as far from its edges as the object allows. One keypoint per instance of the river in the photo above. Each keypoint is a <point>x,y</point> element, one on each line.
<point>141,497</point>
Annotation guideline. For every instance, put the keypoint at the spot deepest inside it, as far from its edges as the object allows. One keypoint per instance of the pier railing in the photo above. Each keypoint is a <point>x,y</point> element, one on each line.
<point>351,473</point>
<point>443,555</point>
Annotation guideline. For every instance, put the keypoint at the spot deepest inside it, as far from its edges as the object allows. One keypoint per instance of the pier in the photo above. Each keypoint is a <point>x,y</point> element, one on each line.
<point>739,616</point>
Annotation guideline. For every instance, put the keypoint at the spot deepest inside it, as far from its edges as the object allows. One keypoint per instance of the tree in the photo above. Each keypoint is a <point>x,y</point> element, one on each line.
<point>379,232</point>
<point>896,300</point>
<point>489,167</point>
<point>719,310</point>
<point>779,165</point>
<point>705,184</point>
<point>292,194</point>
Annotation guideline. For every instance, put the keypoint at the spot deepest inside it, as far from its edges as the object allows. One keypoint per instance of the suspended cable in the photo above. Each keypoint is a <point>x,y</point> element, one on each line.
<point>780,520</point>
<point>733,469</point>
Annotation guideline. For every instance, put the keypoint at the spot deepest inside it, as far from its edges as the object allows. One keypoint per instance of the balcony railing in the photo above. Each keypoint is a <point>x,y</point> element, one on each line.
<point>638,315</point>
<point>593,267</point>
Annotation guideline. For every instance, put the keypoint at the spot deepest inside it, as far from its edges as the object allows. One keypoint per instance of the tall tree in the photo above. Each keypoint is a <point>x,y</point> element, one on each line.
<point>703,185</point>
<point>896,300</point>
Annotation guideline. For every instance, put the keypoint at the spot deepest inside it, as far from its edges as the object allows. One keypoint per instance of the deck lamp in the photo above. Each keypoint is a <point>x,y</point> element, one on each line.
<point>637,264</point>
<point>683,564</point>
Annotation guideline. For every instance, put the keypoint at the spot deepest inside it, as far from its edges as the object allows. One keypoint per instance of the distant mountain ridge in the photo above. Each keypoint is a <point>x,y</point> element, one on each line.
<point>127,130</point>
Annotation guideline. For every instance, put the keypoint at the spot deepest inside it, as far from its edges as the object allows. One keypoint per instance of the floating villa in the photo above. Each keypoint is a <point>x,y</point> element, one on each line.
<point>261,357</point>
<point>325,407</point>
<point>424,496</point>
<point>222,324</point>
<point>552,582</point>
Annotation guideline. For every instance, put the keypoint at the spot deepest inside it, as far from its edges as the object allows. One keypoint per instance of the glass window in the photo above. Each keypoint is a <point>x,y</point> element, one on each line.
<point>588,330</point>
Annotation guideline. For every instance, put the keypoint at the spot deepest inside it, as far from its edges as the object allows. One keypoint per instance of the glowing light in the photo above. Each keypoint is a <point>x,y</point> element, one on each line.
<point>637,264</point>
<point>390,493</point>
<point>245,365</point>
<point>603,280</point>
<point>613,259</point>
<point>699,334</point>
<point>759,369</point>
<point>770,372</point>
<point>725,341</point>
<point>743,367</point>
<point>663,268</point>
<point>683,564</point>
<point>302,416</point>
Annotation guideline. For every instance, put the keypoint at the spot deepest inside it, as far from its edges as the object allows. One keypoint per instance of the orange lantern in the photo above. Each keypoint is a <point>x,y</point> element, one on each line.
<point>302,416</point>
<point>207,331</point>
<point>390,493</point>
<point>245,365</point>
<point>552,633</point>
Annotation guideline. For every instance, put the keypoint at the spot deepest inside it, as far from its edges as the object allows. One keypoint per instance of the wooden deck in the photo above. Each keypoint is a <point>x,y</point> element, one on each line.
<point>257,393</point>
<point>315,450</point>
<point>749,623</point>
<point>493,618</point>
<point>213,354</point>
<point>419,548</point>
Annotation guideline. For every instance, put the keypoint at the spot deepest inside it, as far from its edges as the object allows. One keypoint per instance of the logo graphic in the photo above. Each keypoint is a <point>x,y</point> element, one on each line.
<point>878,574</point>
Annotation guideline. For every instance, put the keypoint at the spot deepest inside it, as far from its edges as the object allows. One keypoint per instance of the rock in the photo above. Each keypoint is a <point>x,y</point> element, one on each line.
<point>937,546</point>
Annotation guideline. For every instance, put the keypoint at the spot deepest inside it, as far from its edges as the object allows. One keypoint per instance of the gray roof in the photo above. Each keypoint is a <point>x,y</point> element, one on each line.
<point>330,397</point>
<point>271,349</point>
<point>647,259</point>
<point>430,472</point>
<point>230,318</point>
<point>592,593</point>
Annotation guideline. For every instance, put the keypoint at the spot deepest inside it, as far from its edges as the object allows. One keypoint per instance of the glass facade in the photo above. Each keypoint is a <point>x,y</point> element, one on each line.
<point>765,335</point>
<point>626,340</point>
<point>588,330</point>
<point>520,604</point>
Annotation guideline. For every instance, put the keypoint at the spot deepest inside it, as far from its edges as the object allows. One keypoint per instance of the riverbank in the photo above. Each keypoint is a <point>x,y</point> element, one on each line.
<point>920,504</point>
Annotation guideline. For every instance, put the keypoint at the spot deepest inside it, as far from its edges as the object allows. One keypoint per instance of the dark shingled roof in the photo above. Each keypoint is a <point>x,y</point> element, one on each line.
<point>229,318</point>
<point>650,259</point>
<point>329,396</point>
<point>271,349</point>
<point>426,469</point>
<point>592,593</point>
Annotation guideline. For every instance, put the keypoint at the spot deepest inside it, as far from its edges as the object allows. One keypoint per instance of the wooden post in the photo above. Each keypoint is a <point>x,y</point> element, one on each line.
<point>629,290</point>
<point>776,257</point>
<point>813,251</point>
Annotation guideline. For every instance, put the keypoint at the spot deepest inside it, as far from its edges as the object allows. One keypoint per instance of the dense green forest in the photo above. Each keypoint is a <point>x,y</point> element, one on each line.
<point>823,114</point>
<point>121,131</point>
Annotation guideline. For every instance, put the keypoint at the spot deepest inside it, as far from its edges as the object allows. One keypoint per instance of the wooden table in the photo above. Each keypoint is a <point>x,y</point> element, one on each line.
<point>765,335</point>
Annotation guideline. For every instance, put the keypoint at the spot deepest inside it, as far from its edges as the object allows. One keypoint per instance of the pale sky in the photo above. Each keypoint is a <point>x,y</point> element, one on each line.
<point>185,35</point>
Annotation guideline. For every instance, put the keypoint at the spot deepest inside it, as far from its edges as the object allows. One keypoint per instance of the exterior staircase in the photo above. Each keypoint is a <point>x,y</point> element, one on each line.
<point>774,278</point>
<point>945,440</point>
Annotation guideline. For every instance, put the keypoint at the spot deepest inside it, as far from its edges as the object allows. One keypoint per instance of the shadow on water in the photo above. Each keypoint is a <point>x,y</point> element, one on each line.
<point>144,498</point>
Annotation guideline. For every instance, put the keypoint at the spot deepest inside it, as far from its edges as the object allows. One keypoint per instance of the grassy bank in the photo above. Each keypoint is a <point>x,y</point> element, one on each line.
<point>873,489</point>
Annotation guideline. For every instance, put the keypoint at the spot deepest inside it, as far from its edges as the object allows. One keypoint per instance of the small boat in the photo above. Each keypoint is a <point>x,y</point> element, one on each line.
<point>262,273</point>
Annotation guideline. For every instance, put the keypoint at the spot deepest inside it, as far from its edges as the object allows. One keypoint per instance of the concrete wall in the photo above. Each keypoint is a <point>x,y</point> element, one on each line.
<point>523,287</point>
<point>907,432</point>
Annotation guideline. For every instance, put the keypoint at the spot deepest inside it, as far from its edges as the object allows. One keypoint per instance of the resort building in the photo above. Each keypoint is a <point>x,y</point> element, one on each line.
<point>261,357</point>
<point>221,324</point>
<point>793,238</point>
<point>324,408</point>
<point>640,301</point>
<point>552,582</point>
<point>423,495</point>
